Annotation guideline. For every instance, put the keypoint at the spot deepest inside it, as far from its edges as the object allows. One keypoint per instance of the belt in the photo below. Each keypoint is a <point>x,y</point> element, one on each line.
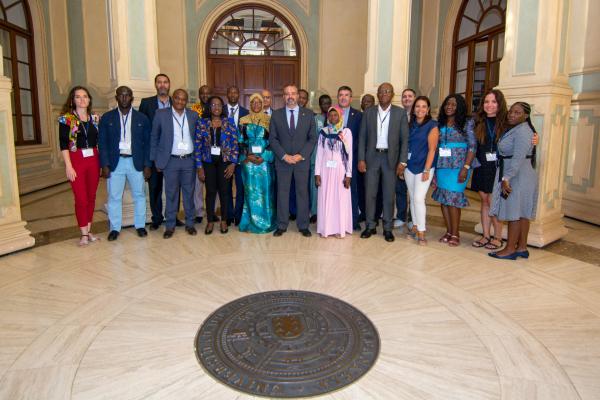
<point>381,150</point>
<point>182,156</point>
<point>501,164</point>
<point>125,155</point>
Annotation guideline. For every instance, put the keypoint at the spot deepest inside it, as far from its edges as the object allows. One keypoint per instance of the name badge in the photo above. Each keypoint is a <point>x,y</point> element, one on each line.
<point>215,151</point>
<point>490,157</point>
<point>182,146</point>
<point>445,152</point>
<point>87,152</point>
<point>124,146</point>
<point>256,149</point>
<point>331,164</point>
<point>409,154</point>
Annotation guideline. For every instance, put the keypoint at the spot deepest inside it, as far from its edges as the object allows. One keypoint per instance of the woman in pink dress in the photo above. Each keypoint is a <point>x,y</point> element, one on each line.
<point>333,172</point>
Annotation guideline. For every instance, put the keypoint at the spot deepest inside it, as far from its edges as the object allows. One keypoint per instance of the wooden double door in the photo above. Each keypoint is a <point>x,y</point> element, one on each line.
<point>252,74</point>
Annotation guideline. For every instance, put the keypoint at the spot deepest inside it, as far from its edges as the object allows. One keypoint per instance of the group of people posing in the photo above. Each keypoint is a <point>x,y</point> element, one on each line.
<point>337,168</point>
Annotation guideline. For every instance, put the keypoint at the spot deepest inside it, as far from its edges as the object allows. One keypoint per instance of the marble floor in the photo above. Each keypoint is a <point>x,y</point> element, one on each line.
<point>117,320</point>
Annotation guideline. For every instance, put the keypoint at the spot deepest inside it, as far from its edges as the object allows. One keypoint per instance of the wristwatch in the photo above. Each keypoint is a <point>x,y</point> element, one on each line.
<point>467,166</point>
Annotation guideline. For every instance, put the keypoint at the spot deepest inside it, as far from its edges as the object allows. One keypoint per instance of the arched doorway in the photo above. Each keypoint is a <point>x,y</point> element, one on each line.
<point>252,47</point>
<point>478,46</point>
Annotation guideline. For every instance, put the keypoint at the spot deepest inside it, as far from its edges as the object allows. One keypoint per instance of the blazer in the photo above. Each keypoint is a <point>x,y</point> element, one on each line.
<point>162,135</point>
<point>398,133</point>
<point>109,137</point>
<point>229,142</point>
<point>149,106</point>
<point>302,142</point>
<point>354,119</point>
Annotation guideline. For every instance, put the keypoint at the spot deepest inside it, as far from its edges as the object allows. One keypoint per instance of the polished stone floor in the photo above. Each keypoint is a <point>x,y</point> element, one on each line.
<point>117,320</point>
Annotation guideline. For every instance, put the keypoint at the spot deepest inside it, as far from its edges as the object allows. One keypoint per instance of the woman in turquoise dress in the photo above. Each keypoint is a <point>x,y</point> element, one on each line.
<point>257,170</point>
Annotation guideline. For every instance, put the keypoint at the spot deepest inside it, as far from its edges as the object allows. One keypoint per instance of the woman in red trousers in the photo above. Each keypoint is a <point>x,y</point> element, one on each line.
<point>78,133</point>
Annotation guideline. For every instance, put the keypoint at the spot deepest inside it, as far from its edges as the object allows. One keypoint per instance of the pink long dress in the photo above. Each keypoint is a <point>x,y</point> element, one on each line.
<point>334,213</point>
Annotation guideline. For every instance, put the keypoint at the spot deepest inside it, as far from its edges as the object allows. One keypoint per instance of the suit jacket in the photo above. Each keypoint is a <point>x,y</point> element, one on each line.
<point>149,106</point>
<point>397,136</point>
<point>302,142</point>
<point>162,135</point>
<point>242,112</point>
<point>109,136</point>
<point>354,119</point>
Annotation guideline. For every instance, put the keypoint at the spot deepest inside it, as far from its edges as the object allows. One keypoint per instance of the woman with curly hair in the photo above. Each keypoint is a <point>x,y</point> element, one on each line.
<point>78,135</point>
<point>456,156</point>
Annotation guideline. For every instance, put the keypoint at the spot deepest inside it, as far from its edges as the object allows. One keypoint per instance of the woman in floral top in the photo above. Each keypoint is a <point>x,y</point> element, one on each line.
<point>456,156</point>
<point>78,135</point>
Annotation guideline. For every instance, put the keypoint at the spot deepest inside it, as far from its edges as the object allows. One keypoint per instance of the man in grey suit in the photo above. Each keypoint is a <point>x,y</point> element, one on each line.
<point>172,150</point>
<point>382,153</point>
<point>293,136</point>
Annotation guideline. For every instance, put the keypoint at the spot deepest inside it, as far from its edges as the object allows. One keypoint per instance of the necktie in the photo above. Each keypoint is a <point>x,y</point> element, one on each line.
<point>231,112</point>
<point>292,123</point>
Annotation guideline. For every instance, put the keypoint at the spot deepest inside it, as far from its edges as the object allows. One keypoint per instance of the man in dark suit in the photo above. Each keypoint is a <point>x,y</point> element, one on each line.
<point>352,118</point>
<point>382,154</point>
<point>149,106</point>
<point>293,136</point>
<point>235,111</point>
<point>124,147</point>
<point>172,151</point>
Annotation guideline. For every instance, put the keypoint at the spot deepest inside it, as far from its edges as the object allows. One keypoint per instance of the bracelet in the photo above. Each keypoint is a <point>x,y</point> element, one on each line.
<point>467,166</point>
<point>427,170</point>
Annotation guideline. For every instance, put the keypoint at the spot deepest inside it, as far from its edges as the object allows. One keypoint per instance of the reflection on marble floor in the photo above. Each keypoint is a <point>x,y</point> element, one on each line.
<point>117,320</point>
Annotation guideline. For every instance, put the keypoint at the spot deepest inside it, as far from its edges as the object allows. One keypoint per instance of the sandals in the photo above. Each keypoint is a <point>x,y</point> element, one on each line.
<point>445,238</point>
<point>421,241</point>
<point>454,241</point>
<point>84,240</point>
<point>493,246</point>
<point>483,242</point>
<point>93,238</point>
<point>412,233</point>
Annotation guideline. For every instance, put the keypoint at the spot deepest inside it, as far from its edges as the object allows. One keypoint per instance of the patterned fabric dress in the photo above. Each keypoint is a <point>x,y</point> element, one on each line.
<point>449,191</point>
<point>259,196</point>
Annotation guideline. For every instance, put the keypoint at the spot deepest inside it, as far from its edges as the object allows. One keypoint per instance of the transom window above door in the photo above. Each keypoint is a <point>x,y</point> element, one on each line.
<point>253,31</point>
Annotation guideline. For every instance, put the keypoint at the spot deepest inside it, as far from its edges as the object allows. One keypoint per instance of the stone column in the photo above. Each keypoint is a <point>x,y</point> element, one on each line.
<point>533,69</point>
<point>388,45</point>
<point>133,41</point>
<point>13,235</point>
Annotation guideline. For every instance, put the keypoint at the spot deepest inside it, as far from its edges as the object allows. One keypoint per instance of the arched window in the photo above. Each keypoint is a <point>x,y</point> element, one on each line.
<point>16,38</point>
<point>478,48</point>
<point>253,31</point>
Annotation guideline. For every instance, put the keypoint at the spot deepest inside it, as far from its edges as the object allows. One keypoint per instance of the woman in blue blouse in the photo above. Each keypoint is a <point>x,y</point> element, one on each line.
<point>216,152</point>
<point>257,170</point>
<point>456,156</point>
<point>422,147</point>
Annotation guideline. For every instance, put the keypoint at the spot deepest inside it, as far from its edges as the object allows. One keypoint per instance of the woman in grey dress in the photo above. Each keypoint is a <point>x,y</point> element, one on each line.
<point>516,189</point>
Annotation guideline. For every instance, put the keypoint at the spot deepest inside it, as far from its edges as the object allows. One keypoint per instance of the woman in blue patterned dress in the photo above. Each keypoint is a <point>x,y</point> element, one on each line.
<point>456,156</point>
<point>257,170</point>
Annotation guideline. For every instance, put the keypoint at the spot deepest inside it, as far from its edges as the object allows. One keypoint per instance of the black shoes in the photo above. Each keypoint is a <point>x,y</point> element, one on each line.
<point>388,235</point>
<point>278,232</point>
<point>178,222</point>
<point>292,217</point>
<point>313,219</point>
<point>305,232</point>
<point>191,230</point>
<point>142,232</point>
<point>367,233</point>
<point>154,226</point>
<point>198,220</point>
<point>168,233</point>
<point>113,235</point>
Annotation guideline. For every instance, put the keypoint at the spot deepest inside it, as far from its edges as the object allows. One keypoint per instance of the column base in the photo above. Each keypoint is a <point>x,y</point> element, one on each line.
<point>541,233</point>
<point>14,237</point>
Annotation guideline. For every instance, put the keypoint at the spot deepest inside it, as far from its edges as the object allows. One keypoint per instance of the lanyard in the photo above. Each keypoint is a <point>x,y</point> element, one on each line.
<point>213,136</point>
<point>181,125</point>
<point>85,129</point>
<point>124,125</point>
<point>381,121</point>
<point>490,134</point>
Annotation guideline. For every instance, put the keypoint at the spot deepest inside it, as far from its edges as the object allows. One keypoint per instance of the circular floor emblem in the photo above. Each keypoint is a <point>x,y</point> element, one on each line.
<point>287,344</point>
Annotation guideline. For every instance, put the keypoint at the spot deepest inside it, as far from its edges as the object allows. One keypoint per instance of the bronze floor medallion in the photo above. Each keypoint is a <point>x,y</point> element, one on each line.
<point>287,344</point>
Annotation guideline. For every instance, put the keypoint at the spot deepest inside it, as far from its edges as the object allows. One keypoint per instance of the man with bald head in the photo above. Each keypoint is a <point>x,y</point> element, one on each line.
<point>382,155</point>
<point>172,151</point>
<point>267,98</point>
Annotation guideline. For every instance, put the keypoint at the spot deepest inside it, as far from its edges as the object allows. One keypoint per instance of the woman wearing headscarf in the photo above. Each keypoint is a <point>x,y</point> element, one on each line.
<point>515,194</point>
<point>256,159</point>
<point>456,157</point>
<point>333,173</point>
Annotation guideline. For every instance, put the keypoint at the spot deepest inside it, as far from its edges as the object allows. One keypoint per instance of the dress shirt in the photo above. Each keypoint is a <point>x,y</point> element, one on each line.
<point>268,111</point>
<point>289,114</point>
<point>383,124</point>
<point>181,129</point>
<point>162,105</point>
<point>346,116</point>
<point>236,112</point>
<point>125,123</point>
